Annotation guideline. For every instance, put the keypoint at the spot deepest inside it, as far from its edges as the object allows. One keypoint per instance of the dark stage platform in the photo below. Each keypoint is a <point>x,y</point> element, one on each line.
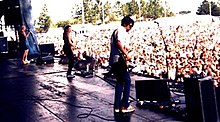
<point>42,93</point>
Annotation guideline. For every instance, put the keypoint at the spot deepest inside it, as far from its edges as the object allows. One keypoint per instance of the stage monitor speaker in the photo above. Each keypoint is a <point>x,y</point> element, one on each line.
<point>153,90</point>
<point>12,48</point>
<point>217,90</point>
<point>3,44</point>
<point>84,65</point>
<point>47,49</point>
<point>45,60</point>
<point>200,100</point>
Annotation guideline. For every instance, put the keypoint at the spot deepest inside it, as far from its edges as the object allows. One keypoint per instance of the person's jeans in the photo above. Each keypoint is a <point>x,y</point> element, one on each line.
<point>123,84</point>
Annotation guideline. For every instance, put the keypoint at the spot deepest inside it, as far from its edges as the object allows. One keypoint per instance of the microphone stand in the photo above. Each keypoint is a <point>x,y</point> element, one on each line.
<point>165,48</point>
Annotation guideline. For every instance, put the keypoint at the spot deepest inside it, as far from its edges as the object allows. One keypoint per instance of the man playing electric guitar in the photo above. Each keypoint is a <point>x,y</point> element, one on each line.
<point>118,57</point>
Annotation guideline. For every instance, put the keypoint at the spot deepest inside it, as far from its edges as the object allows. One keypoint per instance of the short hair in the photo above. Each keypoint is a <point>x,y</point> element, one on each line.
<point>126,21</point>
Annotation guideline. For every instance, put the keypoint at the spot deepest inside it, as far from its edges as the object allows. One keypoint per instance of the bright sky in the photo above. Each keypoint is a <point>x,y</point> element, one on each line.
<point>61,9</point>
<point>178,5</point>
<point>57,9</point>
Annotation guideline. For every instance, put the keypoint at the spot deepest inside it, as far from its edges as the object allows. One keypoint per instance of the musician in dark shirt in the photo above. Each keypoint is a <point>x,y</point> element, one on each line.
<point>68,48</point>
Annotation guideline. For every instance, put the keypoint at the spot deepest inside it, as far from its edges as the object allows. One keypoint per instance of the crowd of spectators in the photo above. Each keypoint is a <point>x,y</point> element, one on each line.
<point>180,50</point>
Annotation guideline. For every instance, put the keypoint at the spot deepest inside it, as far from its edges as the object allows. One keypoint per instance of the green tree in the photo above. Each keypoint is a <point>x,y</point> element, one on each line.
<point>144,7</point>
<point>63,23</point>
<point>150,9</point>
<point>44,20</point>
<point>112,17</point>
<point>76,11</point>
<point>155,10</point>
<point>130,8</point>
<point>168,12</point>
<point>117,9</point>
<point>76,14</point>
<point>215,10</point>
<point>107,12</point>
<point>134,8</point>
<point>203,9</point>
<point>93,11</point>
<point>125,9</point>
<point>89,11</point>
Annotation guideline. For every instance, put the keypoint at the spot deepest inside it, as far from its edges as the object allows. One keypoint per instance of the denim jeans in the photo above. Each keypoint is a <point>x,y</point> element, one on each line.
<point>122,88</point>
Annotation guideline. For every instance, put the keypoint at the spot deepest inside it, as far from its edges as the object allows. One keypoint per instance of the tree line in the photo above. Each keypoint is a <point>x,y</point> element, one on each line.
<point>97,12</point>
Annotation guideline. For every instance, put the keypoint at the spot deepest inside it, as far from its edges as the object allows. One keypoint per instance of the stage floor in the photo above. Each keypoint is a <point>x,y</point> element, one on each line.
<point>33,93</point>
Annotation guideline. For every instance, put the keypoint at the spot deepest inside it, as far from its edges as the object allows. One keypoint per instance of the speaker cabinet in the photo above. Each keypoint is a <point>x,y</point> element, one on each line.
<point>3,44</point>
<point>47,49</point>
<point>153,90</point>
<point>12,12</point>
<point>45,60</point>
<point>200,100</point>
<point>12,47</point>
<point>217,90</point>
<point>84,65</point>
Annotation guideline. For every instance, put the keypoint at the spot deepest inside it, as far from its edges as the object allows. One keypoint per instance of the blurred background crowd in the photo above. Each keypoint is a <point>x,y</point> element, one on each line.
<point>170,50</point>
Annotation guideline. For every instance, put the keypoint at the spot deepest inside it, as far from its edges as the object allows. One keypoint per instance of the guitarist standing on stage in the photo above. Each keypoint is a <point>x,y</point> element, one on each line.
<point>68,47</point>
<point>118,57</point>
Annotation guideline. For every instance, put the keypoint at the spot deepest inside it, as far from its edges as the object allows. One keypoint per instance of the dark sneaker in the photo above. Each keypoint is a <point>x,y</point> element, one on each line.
<point>128,109</point>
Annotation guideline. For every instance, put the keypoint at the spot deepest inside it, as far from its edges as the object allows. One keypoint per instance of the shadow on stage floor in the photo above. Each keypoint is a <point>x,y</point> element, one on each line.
<point>33,93</point>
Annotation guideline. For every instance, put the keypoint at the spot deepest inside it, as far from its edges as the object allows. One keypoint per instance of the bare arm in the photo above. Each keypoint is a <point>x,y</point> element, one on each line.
<point>25,35</point>
<point>123,50</point>
<point>70,41</point>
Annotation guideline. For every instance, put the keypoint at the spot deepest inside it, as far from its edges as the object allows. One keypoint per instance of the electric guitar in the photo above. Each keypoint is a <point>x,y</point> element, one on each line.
<point>123,59</point>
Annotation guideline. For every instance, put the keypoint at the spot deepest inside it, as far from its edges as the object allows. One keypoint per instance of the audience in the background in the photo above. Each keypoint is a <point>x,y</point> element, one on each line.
<point>191,48</point>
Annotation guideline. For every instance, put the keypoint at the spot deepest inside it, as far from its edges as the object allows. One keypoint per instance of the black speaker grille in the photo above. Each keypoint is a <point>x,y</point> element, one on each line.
<point>200,100</point>
<point>152,90</point>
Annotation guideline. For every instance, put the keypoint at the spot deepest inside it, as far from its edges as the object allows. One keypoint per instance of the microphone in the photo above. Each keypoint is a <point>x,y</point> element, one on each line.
<point>74,31</point>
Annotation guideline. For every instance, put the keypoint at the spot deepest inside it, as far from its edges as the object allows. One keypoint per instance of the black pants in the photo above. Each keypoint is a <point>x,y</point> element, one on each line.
<point>69,53</point>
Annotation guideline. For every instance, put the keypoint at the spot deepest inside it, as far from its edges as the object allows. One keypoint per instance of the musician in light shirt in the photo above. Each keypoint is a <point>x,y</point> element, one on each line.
<point>119,42</point>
